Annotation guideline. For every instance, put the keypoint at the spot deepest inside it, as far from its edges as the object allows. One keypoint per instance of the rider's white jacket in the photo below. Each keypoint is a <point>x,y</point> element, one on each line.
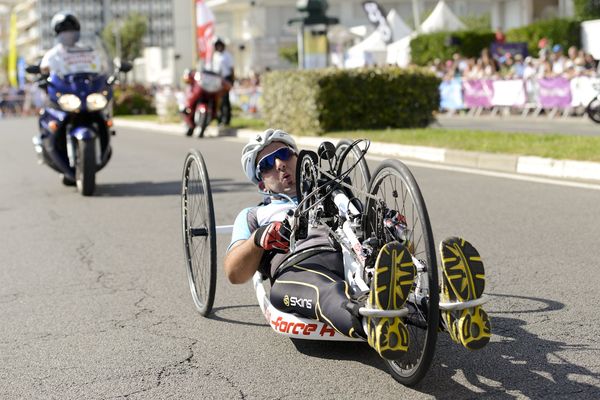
<point>63,60</point>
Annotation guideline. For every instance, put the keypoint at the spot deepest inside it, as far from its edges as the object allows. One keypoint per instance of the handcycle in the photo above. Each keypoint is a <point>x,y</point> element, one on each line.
<point>335,191</point>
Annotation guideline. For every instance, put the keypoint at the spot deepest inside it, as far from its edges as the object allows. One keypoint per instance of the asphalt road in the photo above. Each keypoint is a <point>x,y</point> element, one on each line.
<point>94,300</point>
<point>581,126</point>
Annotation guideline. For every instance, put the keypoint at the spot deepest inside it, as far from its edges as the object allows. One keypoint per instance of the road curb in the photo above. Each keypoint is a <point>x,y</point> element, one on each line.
<point>526,165</point>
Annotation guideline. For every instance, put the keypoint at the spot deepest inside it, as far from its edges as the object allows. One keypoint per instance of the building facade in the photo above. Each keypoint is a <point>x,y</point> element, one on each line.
<point>257,29</point>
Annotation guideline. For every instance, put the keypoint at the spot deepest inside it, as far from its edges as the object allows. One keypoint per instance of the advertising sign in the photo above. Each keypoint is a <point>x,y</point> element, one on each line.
<point>376,15</point>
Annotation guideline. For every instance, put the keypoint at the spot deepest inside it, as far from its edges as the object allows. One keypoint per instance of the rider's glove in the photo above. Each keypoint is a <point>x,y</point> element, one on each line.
<point>275,236</point>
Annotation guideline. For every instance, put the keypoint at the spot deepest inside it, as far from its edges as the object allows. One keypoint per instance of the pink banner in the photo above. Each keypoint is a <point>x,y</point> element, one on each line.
<point>555,92</point>
<point>478,93</point>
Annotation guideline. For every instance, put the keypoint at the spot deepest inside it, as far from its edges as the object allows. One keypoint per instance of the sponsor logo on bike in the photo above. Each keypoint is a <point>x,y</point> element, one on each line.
<point>300,328</point>
<point>297,302</point>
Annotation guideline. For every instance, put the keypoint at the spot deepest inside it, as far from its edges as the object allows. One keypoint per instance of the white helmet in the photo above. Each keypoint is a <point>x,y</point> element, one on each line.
<point>258,143</point>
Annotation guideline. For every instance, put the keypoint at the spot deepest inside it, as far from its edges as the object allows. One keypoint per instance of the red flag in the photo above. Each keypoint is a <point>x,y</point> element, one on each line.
<point>205,30</point>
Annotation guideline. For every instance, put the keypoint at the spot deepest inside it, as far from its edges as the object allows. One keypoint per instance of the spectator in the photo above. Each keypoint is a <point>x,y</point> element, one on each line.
<point>500,36</point>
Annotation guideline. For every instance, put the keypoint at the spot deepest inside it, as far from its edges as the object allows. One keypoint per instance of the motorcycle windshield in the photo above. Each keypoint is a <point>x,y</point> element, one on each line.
<point>85,57</point>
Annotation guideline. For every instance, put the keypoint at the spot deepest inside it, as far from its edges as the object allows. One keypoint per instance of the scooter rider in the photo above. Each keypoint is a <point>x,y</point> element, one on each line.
<point>222,63</point>
<point>314,274</point>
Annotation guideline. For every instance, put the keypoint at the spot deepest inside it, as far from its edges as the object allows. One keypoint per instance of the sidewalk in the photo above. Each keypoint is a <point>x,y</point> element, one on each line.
<point>527,165</point>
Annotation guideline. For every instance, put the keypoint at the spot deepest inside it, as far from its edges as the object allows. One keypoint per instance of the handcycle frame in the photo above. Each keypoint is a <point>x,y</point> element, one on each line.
<point>423,300</point>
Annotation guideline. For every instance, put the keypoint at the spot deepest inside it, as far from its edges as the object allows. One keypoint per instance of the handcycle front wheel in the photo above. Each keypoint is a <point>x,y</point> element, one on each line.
<point>199,232</point>
<point>395,188</point>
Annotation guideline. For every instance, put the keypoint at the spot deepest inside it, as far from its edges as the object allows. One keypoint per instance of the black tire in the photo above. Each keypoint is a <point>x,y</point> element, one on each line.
<point>360,176</point>
<point>306,177</point>
<point>593,110</point>
<point>394,184</point>
<point>199,232</point>
<point>85,167</point>
<point>205,119</point>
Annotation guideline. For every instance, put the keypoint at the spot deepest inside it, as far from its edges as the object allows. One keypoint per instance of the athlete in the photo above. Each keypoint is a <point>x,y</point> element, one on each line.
<point>314,273</point>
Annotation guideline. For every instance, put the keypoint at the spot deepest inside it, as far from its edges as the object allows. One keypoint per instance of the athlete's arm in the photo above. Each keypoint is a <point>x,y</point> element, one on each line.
<point>242,260</point>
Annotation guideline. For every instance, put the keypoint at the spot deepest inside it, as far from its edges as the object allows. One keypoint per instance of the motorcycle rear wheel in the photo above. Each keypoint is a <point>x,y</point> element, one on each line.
<point>85,167</point>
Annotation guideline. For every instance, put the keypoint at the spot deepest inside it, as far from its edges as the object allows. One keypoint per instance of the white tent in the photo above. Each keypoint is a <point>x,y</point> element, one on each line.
<point>441,19</point>
<point>372,50</point>
<point>399,52</point>
<point>398,26</point>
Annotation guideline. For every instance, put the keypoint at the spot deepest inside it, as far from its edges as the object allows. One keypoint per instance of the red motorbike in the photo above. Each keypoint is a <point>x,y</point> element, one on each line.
<point>205,89</point>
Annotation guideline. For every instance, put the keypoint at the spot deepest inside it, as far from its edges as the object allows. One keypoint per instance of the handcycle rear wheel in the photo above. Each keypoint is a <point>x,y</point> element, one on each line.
<point>306,177</point>
<point>593,110</point>
<point>199,232</point>
<point>360,176</point>
<point>396,189</point>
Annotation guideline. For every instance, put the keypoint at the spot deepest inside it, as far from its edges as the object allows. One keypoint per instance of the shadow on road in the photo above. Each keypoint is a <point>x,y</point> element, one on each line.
<point>215,315</point>
<point>169,188</point>
<point>516,364</point>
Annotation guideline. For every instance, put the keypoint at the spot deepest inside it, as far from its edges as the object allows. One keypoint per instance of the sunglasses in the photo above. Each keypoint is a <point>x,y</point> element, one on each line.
<point>268,162</point>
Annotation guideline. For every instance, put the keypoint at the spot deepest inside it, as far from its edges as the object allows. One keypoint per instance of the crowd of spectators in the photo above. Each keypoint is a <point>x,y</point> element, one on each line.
<point>551,62</point>
<point>20,101</point>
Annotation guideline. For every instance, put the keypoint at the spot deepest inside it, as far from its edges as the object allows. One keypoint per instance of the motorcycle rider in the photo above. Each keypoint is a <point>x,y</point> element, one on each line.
<point>68,56</point>
<point>314,273</point>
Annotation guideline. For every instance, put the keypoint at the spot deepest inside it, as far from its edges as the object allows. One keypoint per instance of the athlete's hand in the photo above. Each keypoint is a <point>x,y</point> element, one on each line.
<point>275,236</point>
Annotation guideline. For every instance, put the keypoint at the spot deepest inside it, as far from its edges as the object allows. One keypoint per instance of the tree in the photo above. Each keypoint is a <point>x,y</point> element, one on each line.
<point>587,9</point>
<point>131,33</point>
<point>290,54</point>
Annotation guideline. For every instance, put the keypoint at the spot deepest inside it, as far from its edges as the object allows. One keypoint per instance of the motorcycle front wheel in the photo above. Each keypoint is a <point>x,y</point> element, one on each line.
<point>85,167</point>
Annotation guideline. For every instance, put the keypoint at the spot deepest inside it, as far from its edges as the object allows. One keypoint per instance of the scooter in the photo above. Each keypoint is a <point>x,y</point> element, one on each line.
<point>203,94</point>
<point>75,125</point>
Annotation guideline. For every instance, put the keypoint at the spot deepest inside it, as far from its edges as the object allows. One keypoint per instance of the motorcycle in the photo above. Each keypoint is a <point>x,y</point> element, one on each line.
<point>205,88</point>
<point>75,124</point>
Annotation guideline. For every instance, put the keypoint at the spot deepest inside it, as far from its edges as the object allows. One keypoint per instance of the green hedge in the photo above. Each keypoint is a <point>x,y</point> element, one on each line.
<point>318,101</point>
<point>133,99</point>
<point>442,45</point>
<point>566,32</point>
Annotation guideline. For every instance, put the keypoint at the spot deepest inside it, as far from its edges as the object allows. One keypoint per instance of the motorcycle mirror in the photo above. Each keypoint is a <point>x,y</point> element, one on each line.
<point>326,150</point>
<point>125,66</point>
<point>33,69</point>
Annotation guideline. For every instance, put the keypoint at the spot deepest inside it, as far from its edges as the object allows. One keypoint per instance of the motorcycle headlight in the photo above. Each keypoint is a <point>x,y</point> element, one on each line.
<point>69,102</point>
<point>96,101</point>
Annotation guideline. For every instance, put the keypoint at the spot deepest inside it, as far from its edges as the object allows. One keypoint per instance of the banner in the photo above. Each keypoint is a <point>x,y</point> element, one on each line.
<point>554,92</point>
<point>498,50</point>
<point>478,93</point>
<point>451,94</point>
<point>376,15</point>
<point>508,93</point>
<point>205,31</point>
<point>583,90</point>
<point>12,51</point>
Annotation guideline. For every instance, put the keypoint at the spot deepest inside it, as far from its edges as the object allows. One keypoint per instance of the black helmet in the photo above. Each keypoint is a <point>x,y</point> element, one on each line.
<point>65,21</point>
<point>219,42</point>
